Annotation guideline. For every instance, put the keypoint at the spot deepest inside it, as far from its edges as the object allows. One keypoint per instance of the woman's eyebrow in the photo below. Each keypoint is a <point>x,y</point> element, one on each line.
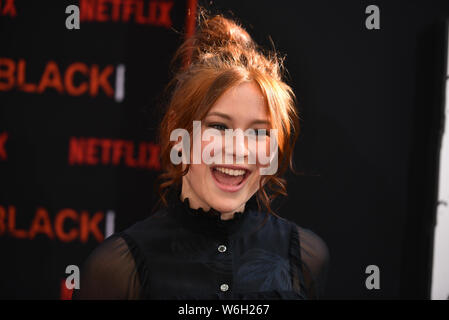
<point>261,122</point>
<point>223,115</point>
<point>228,117</point>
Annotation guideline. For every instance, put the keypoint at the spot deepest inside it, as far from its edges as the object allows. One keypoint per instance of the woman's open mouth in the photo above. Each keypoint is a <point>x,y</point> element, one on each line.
<point>230,178</point>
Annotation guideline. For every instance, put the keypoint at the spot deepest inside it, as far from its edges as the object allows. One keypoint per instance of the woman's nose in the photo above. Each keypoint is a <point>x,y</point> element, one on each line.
<point>239,149</point>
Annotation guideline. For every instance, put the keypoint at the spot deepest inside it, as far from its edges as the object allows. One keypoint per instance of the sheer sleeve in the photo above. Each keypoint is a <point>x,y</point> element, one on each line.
<point>109,272</point>
<point>315,260</point>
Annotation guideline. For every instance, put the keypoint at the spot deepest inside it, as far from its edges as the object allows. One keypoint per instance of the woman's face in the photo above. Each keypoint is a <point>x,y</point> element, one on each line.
<point>214,185</point>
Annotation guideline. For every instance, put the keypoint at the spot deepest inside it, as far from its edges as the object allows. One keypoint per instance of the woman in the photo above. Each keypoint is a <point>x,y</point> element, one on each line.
<point>216,236</point>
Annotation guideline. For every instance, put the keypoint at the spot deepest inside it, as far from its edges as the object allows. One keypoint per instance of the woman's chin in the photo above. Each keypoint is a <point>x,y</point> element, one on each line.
<point>226,206</point>
<point>226,202</point>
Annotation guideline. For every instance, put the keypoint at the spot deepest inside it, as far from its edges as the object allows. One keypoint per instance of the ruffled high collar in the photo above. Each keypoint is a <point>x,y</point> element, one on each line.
<point>209,222</point>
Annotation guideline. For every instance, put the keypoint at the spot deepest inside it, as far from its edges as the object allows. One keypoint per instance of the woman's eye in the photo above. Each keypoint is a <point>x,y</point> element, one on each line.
<point>261,132</point>
<point>218,126</point>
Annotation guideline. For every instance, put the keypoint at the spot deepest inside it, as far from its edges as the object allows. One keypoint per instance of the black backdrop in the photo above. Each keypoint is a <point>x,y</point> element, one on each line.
<point>77,161</point>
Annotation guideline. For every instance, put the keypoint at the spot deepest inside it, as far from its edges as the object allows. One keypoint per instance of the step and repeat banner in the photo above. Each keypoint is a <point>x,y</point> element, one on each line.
<point>79,106</point>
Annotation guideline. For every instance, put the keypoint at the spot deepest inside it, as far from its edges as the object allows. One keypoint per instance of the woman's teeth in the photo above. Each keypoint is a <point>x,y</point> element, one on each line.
<point>230,172</point>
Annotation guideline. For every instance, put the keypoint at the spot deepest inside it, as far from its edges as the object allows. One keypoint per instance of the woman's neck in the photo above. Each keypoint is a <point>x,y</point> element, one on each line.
<point>196,203</point>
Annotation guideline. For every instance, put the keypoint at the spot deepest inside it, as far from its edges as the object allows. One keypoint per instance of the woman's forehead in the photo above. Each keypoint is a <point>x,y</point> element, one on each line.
<point>241,102</point>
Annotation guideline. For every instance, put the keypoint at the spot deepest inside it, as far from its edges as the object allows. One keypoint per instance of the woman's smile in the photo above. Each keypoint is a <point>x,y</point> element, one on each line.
<point>229,178</point>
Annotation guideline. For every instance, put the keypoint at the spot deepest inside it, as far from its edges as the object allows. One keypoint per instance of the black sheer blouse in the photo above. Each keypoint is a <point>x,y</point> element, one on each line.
<point>184,253</point>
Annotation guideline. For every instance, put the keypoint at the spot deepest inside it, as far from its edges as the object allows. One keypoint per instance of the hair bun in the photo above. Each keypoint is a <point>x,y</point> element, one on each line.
<point>220,41</point>
<point>219,32</point>
<point>216,37</point>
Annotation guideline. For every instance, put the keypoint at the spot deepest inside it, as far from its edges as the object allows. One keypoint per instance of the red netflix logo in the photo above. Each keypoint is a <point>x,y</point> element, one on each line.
<point>94,151</point>
<point>91,79</point>
<point>156,13</point>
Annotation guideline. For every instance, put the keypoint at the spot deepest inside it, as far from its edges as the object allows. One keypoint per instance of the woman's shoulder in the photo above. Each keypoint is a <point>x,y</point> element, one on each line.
<point>154,221</point>
<point>113,268</point>
<point>307,237</point>
<point>113,249</point>
<point>308,251</point>
<point>313,256</point>
<point>109,272</point>
<point>310,242</point>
